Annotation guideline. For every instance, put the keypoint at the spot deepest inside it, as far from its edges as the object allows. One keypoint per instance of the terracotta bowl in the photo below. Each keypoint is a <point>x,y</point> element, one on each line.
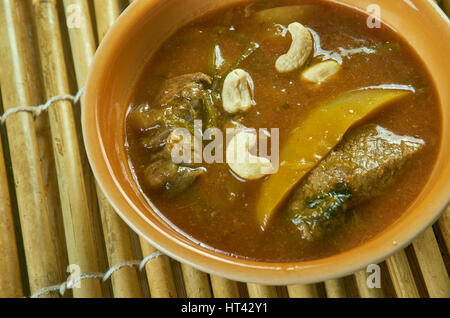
<point>118,64</point>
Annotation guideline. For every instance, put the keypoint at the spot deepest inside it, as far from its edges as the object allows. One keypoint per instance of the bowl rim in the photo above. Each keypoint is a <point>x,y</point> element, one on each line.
<point>238,269</point>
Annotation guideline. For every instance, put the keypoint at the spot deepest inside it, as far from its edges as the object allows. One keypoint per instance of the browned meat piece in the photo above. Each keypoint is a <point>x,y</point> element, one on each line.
<point>179,103</point>
<point>146,119</point>
<point>364,164</point>
<point>156,141</point>
<point>183,179</point>
<point>163,173</point>
<point>160,172</point>
<point>189,87</point>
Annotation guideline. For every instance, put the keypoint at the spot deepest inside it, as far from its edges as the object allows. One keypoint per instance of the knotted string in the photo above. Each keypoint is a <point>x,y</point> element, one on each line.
<point>37,110</point>
<point>70,282</point>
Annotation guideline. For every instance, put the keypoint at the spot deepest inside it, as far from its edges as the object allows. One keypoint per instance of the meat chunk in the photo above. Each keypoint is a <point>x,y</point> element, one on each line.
<point>178,104</point>
<point>360,168</point>
<point>159,173</point>
<point>155,141</point>
<point>165,174</point>
<point>183,179</point>
<point>185,88</point>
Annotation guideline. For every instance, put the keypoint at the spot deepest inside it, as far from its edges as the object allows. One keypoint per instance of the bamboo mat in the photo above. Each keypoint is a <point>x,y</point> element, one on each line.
<point>53,214</point>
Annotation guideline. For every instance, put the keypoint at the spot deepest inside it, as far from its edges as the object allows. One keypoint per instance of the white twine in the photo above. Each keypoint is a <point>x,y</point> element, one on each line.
<point>70,282</point>
<point>37,110</point>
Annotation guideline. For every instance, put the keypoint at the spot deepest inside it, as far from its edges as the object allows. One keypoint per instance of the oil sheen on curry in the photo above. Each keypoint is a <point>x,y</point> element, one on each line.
<point>357,118</point>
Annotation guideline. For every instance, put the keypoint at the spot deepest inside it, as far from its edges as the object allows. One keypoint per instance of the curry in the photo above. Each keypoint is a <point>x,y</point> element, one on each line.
<point>357,120</point>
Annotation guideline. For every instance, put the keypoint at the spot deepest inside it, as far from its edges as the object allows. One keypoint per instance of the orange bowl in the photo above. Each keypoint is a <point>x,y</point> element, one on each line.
<point>118,64</point>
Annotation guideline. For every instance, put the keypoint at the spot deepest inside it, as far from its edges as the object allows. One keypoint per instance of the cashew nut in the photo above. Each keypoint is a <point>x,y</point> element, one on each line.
<point>242,162</point>
<point>320,72</point>
<point>237,91</point>
<point>300,50</point>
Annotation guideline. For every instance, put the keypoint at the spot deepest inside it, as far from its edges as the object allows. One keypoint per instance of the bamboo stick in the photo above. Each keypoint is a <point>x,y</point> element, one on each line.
<point>401,276</point>
<point>20,86</point>
<point>118,243</point>
<point>159,273</point>
<point>303,291</point>
<point>75,207</point>
<point>415,270</point>
<point>178,278</point>
<point>82,38</point>
<point>89,181</point>
<point>106,13</point>
<point>48,168</point>
<point>335,288</point>
<point>261,291</point>
<point>10,280</point>
<point>91,190</point>
<point>125,282</point>
<point>444,227</point>
<point>431,265</point>
<point>224,288</point>
<point>196,283</point>
<point>363,289</point>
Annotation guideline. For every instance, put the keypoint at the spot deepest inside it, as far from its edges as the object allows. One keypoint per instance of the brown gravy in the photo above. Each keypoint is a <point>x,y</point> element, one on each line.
<point>218,210</point>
